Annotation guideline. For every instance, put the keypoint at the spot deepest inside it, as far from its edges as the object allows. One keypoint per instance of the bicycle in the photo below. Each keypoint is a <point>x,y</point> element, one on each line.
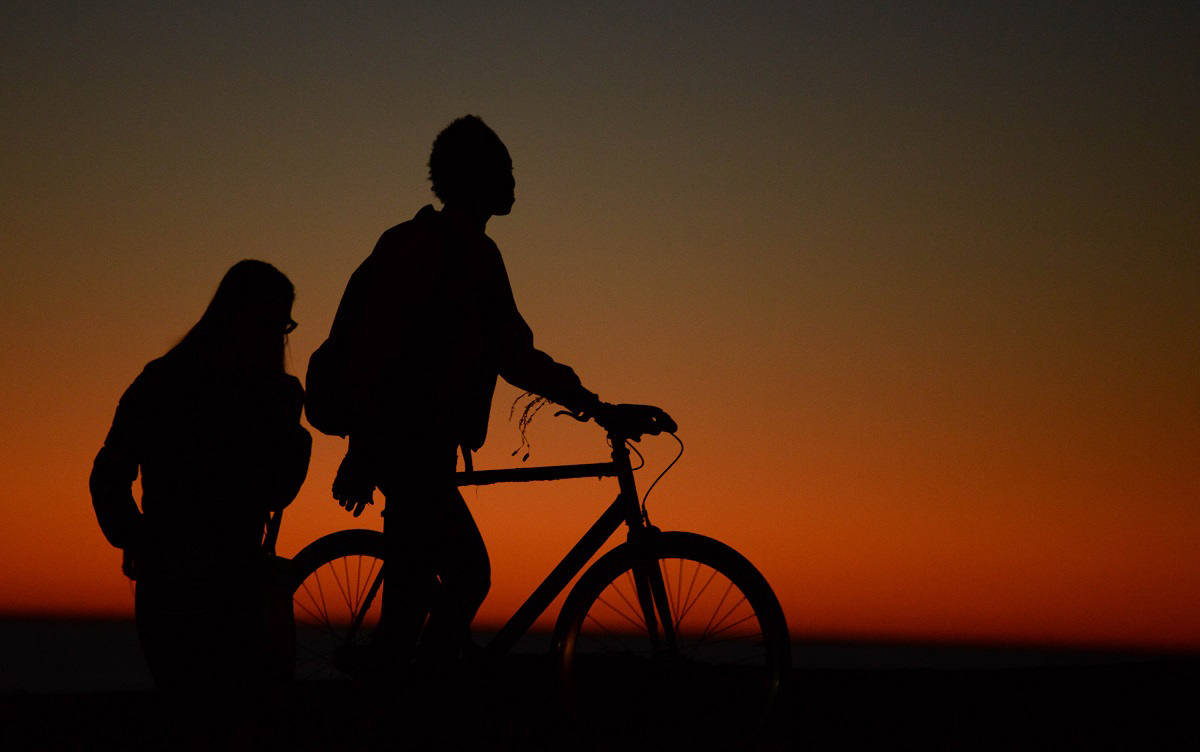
<point>683,626</point>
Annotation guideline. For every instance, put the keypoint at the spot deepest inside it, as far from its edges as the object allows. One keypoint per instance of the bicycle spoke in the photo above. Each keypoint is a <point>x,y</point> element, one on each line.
<point>343,582</point>
<point>717,609</point>
<point>323,616</point>
<point>636,610</point>
<point>707,641</point>
<point>315,615</point>
<point>672,593</point>
<point>689,601</point>
<point>631,619</point>
<point>686,599</point>
<point>361,587</point>
<point>599,642</point>
<point>720,626</point>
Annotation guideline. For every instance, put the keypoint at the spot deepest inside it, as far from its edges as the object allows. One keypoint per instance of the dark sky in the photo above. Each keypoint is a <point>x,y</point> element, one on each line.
<point>919,281</point>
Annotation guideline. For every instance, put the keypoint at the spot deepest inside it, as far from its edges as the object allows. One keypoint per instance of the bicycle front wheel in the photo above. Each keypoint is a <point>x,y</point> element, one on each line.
<point>707,680</point>
<point>337,596</point>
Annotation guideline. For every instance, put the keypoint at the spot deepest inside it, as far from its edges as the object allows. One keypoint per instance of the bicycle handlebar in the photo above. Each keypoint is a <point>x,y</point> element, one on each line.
<point>627,421</point>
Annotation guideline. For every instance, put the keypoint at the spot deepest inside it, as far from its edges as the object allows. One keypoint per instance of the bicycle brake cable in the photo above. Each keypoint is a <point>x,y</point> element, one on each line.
<point>660,475</point>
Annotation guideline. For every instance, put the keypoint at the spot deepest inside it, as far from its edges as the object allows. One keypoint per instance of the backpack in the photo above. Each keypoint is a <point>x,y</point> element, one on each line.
<point>326,399</point>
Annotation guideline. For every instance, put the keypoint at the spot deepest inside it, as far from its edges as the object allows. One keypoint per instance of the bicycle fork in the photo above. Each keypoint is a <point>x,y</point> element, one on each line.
<point>652,596</point>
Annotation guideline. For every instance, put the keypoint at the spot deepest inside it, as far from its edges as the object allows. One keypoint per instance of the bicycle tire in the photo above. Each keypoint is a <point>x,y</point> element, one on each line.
<point>331,579</point>
<point>717,690</point>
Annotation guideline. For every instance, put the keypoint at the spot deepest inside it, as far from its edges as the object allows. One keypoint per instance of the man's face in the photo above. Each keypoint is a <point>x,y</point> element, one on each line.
<point>499,187</point>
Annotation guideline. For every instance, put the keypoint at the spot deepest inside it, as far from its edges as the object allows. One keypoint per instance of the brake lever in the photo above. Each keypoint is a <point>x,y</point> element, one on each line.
<point>577,416</point>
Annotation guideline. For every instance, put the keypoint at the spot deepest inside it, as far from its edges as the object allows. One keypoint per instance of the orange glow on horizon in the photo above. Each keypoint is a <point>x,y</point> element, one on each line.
<point>991,567</point>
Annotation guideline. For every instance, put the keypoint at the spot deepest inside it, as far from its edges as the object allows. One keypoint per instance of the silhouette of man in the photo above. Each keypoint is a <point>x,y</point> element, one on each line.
<point>427,323</point>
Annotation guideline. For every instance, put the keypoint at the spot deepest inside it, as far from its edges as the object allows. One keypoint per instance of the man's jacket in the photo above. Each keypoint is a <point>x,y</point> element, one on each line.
<point>426,324</point>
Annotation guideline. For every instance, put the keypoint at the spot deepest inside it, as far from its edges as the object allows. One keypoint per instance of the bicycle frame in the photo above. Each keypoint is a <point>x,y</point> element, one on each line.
<point>625,509</point>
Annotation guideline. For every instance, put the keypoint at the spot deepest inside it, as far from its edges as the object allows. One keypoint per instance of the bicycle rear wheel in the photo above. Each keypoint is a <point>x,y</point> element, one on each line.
<point>628,687</point>
<point>337,596</point>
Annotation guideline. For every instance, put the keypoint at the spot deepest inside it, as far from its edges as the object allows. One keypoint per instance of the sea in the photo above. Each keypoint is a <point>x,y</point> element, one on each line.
<point>54,655</point>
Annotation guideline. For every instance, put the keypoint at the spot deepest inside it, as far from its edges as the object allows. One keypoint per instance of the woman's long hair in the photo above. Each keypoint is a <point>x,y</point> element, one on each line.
<point>245,325</point>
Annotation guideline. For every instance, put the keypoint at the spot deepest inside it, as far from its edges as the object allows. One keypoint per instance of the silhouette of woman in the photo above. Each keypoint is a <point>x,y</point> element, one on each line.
<point>214,428</point>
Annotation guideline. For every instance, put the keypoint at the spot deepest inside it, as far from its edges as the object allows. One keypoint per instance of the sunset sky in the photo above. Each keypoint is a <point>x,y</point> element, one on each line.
<point>919,281</point>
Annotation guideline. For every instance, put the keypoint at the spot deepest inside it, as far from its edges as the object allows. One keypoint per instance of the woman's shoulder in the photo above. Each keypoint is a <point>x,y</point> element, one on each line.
<point>154,375</point>
<point>145,401</point>
<point>156,368</point>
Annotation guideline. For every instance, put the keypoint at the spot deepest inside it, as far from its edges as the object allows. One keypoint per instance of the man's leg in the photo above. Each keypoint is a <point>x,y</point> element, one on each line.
<point>430,534</point>
<point>410,535</point>
<point>465,572</point>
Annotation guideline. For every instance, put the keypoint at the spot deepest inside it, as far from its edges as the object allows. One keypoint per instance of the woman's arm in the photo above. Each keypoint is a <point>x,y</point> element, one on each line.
<point>114,471</point>
<point>279,447</point>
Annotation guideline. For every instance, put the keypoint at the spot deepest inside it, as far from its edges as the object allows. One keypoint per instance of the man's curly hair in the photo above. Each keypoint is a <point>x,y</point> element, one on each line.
<point>459,152</point>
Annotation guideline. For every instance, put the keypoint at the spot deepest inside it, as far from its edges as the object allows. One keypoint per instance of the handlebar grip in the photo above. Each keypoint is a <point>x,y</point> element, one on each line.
<point>668,424</point>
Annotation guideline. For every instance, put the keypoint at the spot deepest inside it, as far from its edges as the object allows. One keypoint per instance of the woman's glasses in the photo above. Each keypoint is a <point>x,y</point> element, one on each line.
<point>290,326</point>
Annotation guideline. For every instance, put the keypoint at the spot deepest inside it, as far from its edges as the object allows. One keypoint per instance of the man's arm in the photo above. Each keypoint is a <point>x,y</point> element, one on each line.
<point>526,367</point>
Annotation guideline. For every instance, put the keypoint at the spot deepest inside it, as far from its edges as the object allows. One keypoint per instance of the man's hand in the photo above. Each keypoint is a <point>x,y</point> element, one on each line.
<point>353,487</point>
<point>634,421</point>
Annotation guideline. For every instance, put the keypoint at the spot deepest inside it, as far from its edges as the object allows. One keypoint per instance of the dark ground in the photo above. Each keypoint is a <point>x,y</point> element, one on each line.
<point>1149,705</point>
<point>933,698</point>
